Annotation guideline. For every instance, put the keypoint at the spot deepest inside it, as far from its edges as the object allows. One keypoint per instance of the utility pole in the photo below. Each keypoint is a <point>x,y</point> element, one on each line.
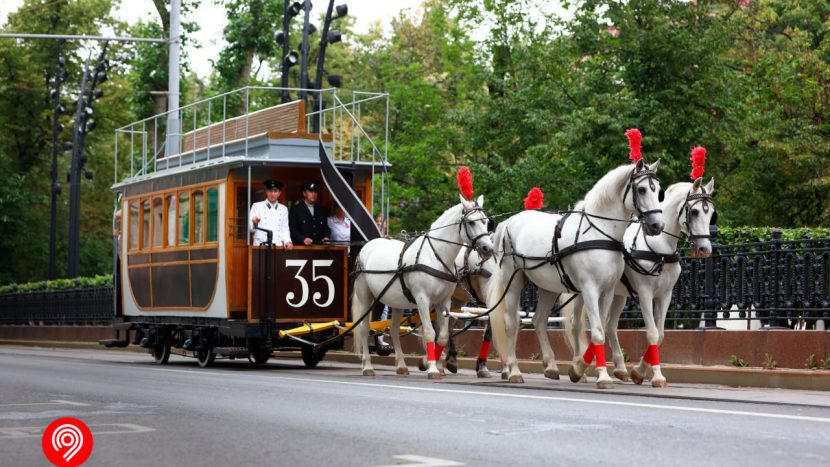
<point>174,43</point>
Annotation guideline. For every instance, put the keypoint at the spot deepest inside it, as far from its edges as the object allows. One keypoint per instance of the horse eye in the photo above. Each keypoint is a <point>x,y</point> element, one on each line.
<point>694,212</point>
<point>641,190</point>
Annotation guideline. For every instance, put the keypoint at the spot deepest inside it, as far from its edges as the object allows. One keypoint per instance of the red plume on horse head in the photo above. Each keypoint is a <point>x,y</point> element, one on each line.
<point>698,160</point>
<point>535,198</point>
<point>635,144</point>
<point>465,182</point>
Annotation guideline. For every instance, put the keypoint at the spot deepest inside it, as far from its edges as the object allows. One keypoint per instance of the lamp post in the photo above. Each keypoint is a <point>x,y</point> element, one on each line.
<point>289,58</point>
<point>83,124</point>
<point>328,37</point>
<point>304,48</point>
<point>55,188</point>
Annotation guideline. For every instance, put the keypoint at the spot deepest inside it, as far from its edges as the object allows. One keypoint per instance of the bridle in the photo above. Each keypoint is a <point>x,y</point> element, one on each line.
<point>632,181</point>
<point>474,239</point>
<point>692,199</point>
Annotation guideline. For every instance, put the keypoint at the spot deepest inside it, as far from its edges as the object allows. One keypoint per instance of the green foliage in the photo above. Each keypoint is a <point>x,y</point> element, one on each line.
<point>536,356</point>
<point>811,363</point>
<point>737,235</point>
<point>462,352</point>
<point>737,361</point>
<point>87,282</point>
<point>825,364</point>
<point>769,362</point>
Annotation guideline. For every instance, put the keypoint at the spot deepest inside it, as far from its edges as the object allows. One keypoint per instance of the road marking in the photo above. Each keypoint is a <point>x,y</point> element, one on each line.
<point>52,402</point>
<point>421,461</point>
<point>525,396</point>
<point>99,429</point>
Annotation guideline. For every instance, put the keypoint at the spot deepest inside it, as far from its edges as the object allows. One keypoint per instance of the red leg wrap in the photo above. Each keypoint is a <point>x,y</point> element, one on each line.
<point>430,351</point>
<point>652,356</point>
<point>600,349</point>
<point>485,351</point>
<point>589,353</point>
<point>439,349</point>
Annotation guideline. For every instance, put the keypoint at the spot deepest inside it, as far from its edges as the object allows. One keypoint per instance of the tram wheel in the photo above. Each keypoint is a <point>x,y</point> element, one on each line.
<point>260,357</point>
<point>161,353</point>
<point>205,357</point>
<point>311,356</point>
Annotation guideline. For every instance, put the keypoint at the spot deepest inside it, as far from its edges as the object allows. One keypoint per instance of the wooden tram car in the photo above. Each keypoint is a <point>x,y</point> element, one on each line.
<point>188,276</point>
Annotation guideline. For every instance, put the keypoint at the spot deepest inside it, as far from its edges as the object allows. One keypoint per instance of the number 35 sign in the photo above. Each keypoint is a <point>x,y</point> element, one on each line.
<point>301,284</point>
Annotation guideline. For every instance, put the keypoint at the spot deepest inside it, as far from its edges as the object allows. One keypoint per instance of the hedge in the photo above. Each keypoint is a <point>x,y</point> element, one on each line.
<point>93,282</point>
<point>738,235</point>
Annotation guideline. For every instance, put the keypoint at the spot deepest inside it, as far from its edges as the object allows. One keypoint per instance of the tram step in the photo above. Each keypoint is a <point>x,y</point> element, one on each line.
<point>113,343</point>
<point>231,351</point>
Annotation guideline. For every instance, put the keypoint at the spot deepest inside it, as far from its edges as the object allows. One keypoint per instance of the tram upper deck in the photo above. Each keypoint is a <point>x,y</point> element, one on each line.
<point>186,247</point>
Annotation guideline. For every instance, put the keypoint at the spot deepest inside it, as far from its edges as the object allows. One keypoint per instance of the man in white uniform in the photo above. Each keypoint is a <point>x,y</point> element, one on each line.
<point>271,215</point>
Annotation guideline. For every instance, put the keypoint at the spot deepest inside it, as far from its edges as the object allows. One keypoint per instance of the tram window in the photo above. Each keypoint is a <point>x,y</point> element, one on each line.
<point>213,214</point>
<point>145,224</point>
<point>198,217</point>
<point>171,223</point>
<point>133,225</point>
<point>184,218</point>
<point>158,222</point>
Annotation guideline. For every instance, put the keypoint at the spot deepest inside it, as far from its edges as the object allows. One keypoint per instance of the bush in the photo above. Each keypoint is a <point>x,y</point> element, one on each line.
<point>738,235</point>
<point>93,282</point>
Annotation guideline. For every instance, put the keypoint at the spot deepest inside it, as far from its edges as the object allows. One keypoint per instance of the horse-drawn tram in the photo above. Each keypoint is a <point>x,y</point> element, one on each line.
<point>189,274</point>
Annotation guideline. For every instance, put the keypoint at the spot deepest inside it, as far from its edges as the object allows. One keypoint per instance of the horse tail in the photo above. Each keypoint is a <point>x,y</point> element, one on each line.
<point>494,296</point>
<point>574,324</point>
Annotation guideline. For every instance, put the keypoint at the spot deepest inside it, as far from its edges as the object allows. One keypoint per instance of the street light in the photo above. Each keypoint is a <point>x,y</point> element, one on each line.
<point>290,58</point>
<point>328,37</point>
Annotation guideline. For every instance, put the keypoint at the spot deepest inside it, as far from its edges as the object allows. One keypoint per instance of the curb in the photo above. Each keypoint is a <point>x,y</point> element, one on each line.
<point>815,380</point>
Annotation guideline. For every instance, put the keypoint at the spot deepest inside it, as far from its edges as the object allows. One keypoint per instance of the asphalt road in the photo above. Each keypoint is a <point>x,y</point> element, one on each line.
<point>234,413</point>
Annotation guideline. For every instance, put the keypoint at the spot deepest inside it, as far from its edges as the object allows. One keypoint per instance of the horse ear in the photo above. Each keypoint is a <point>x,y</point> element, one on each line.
<point>696,185</point>
<point>710,187</point>
<point>639,165</point>
<point>653,167</point>
<point>464,201</point>
<point>480,201</point>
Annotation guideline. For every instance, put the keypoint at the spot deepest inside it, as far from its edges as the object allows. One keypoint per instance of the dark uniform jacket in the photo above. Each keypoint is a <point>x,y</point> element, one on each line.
<point>303,224</point>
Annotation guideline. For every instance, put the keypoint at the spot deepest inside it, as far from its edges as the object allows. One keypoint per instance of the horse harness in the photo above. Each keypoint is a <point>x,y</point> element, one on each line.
<point>465,275</point>
<point>609,243</point>
<point>446,275</point>
<point>661,259</point>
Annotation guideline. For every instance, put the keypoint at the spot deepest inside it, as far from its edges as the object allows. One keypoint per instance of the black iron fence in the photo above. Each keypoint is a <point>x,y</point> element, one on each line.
<point>777,284</point>
<point>79,306</point>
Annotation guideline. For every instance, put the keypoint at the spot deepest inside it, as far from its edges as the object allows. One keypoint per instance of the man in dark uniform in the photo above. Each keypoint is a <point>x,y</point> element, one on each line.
<point>308,220</point>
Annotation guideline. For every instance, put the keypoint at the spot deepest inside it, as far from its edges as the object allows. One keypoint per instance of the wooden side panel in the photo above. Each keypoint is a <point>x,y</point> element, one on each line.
<point>238,290</point>
<point>285,118</point>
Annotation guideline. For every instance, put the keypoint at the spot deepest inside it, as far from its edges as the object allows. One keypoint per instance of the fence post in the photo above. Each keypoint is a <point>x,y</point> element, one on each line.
<point>775,282</point>
<point>709,299</point>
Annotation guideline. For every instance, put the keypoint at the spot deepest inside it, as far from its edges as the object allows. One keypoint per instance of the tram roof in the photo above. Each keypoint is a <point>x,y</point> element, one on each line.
<point>273,136</point>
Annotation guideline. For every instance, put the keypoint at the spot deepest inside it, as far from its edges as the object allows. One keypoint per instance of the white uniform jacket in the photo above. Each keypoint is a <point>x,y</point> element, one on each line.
<point>273,217</point>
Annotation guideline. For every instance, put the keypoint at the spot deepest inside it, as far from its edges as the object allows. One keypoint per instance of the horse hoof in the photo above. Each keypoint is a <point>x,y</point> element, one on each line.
<point>435,375</point>
<point>422,365</point>
<point>575,378</point>
<point>636,377</point>
<point>605,384</point>
<point>368,372</point>
<point>442,372</point>
<point>550,373</point>
<point>621,375</point>
<point>452,366</point>
<point>402,371</point>
<point>659,383</point>
<point>483,373</point>
<point>516,379</point>
<point>504,375</point>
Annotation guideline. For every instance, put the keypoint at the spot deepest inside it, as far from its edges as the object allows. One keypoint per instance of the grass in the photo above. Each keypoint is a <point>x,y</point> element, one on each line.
<point>769,363</point>
<point>735,360</point>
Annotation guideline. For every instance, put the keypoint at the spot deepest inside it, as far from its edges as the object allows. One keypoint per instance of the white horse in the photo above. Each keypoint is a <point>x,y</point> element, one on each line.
<point>688,208</point>
<point>580,251</point>
<point>424,265</point>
